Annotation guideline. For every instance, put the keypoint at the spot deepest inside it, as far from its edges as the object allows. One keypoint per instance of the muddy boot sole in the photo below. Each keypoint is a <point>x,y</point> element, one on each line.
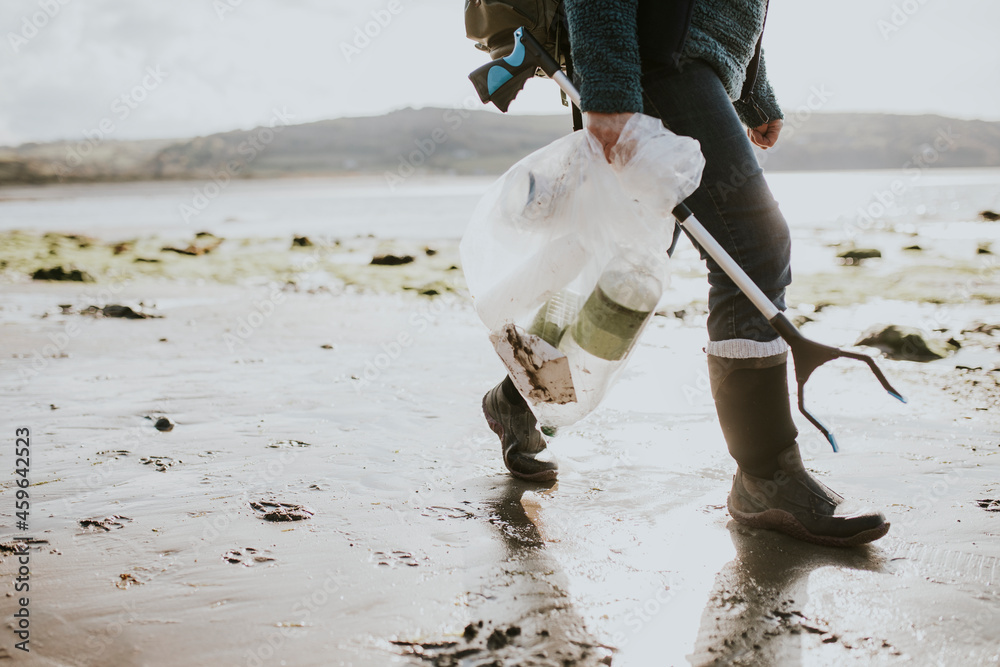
<point>784,522</point>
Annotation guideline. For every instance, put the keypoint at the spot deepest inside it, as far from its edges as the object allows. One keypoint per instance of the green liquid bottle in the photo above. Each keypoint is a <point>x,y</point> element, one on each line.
<point>613,315</point>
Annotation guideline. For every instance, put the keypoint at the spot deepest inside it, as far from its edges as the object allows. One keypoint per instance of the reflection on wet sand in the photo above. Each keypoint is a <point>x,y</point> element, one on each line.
<point>523,614</point>
<point>553,631</point>
<point>755,614</point>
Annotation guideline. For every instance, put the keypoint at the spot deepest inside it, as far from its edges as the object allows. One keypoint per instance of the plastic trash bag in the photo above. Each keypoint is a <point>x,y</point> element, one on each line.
<point>566,257</point>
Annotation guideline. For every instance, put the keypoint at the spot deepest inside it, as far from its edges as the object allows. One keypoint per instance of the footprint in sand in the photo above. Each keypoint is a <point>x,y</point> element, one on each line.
<point>105,524</point>
<point>247,557</point>
<point>270,510</point>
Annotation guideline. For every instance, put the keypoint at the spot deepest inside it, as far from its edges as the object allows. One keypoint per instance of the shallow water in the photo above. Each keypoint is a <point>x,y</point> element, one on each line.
<point>336,207</point>
<point>440,207</point>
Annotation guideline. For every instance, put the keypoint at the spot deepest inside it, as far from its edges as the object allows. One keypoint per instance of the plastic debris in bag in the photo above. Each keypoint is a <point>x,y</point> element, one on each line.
<point>566,258</point>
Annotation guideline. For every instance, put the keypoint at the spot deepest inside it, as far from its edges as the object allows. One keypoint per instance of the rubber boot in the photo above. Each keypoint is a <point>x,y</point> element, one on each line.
<point>521,443</point>
<point>771,488</point>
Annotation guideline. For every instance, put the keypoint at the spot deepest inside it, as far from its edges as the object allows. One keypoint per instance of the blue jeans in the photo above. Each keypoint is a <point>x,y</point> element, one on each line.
<point>734,204</point>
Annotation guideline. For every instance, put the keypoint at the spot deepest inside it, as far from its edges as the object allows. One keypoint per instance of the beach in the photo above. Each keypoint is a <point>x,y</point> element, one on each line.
<point>259,444</point>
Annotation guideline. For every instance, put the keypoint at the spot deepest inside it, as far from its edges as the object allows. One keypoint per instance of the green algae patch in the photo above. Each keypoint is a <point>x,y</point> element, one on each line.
<point>938,284</point>
<point>434,269</point>
<point>204,257</point>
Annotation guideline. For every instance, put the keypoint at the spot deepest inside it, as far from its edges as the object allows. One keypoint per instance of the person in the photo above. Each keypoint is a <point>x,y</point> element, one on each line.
<point>695,86</point>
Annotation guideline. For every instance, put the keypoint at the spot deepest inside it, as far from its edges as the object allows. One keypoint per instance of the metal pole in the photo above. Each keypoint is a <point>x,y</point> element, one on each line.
<point>729,265</point>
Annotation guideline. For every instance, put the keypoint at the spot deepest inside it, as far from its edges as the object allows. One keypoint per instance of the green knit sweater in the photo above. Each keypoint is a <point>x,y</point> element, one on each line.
<point>606,52</point>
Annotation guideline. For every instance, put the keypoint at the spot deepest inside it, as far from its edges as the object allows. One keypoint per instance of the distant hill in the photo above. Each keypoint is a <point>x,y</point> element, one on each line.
<point>453,141</point>
<point>884,141</point>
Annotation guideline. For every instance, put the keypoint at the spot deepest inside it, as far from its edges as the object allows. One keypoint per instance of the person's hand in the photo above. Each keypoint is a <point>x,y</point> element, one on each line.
<point>765,135</point>
<point>606,127</point>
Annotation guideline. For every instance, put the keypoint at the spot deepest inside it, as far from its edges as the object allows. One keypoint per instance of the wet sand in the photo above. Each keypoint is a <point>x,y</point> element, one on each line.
<point>354,391</point>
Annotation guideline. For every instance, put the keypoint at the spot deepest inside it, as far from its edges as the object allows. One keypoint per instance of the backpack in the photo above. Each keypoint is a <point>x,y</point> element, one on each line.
<point>491,25</point>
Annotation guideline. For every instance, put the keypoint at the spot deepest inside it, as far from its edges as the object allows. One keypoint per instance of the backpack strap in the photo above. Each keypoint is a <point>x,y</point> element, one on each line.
<point>564,56</point>
<point>577,116</point>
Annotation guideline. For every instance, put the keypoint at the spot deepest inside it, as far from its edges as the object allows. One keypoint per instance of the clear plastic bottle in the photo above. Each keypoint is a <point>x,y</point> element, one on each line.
<point>555,316</point>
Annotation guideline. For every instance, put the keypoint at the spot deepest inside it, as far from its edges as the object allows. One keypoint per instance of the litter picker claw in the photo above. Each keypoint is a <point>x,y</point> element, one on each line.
<point>500,81</point>
<point>807,355</point>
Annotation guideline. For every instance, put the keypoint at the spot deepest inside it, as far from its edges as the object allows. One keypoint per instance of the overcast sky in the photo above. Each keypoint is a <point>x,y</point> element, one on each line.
<point>210,65</point>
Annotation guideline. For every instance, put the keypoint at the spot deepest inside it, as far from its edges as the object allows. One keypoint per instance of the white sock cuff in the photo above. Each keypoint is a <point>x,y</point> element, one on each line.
<point>743,348</point>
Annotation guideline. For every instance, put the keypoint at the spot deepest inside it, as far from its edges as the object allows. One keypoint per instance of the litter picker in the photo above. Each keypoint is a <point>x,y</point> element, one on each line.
<point>500,81</point>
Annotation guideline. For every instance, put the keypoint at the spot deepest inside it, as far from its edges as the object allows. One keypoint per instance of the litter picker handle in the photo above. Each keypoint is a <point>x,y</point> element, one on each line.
<point>501,80</point>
